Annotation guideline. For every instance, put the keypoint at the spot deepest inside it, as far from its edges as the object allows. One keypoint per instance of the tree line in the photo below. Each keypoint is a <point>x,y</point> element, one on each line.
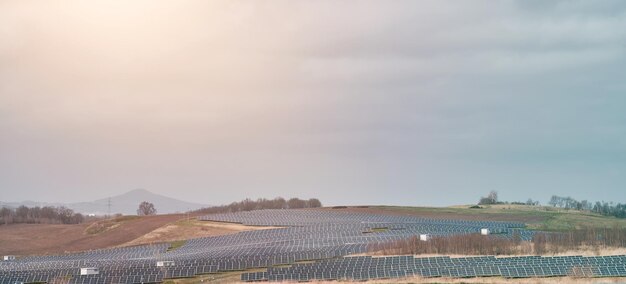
<point>570,203</point>
<point>492,199</point>
<point>608,209</point>
<point>262,203</point>
<point>40,215</point>
<point>603,208</point>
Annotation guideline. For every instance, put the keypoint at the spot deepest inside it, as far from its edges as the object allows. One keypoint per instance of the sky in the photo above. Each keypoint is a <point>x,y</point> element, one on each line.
<point>353,102</point>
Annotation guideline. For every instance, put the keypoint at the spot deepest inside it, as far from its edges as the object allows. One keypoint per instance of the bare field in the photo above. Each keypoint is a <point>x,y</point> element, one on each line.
<point>43,239</point>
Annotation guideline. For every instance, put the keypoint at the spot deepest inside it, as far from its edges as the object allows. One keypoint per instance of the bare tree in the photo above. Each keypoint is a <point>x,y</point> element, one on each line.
<point>491,198</point>
<point>146,208</point>
<point>39,215</point>
<point>6,215</point>
<point>296,203</point>
<point>554,200</point>
<point>315,203</point>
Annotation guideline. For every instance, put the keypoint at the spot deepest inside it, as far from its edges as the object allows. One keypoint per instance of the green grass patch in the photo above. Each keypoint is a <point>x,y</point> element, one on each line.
<point>379,230</point>
<point>176,244</point>
<point>568,221</point>
<point>376,230</point>
<point>126,218</point>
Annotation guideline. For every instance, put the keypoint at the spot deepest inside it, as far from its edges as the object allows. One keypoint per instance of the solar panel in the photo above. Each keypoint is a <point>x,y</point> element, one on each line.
<point>326,237</point>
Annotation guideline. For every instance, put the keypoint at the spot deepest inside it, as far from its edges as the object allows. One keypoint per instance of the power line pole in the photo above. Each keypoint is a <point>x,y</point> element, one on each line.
<point>109,205</point>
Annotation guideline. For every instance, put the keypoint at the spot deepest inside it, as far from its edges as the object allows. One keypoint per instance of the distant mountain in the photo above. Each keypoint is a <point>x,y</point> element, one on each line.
<point>126,204</point>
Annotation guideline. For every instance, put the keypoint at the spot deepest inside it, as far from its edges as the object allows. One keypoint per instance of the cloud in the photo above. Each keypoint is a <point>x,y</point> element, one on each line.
<point>337,99</point>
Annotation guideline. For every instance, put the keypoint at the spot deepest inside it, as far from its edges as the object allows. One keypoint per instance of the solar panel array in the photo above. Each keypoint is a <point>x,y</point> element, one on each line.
<point>110,271</point>
<point>303,234</point>
<point>361,268</point>
<point>321,234</point>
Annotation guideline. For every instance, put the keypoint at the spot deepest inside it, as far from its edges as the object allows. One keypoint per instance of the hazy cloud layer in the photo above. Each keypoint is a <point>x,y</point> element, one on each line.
<point>377,102</point>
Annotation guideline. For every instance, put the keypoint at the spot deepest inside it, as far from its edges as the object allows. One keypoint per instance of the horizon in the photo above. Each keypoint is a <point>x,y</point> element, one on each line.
<point>324,204</point>
<point>427,103</point>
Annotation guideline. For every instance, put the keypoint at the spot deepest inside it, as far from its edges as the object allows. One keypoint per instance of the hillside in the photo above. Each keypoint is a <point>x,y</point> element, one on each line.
<point>543,218</point>
<point>41,239</point>
<point>28,239</point>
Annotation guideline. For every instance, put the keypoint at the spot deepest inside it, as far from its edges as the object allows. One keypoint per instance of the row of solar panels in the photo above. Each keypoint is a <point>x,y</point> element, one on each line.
<point>460,272</point>
<point>127,275</point>
<point>358,268</point>
<point>278,217</point>
<point>97,279</point>
<point>447,261</point>
<point>113,253</point>
<point>105,279</point>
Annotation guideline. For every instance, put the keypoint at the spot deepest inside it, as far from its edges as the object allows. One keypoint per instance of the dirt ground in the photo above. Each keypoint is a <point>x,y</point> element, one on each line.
<point>45,239</point>
<point>41,239</point>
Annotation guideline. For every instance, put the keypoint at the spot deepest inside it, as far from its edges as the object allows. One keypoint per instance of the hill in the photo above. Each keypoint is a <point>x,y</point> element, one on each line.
<point>132,230</point>
<point>43,239</point>
<point>27,239</point>
<point>544,218</point>
<point>126,204</point>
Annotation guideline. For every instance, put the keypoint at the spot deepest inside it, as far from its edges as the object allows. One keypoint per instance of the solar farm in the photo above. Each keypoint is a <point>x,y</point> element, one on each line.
<point>307,245</point>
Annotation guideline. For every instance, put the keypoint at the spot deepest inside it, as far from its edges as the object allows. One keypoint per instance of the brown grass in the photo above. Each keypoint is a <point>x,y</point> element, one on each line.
<point>42,239</point>
<point>102,226</point>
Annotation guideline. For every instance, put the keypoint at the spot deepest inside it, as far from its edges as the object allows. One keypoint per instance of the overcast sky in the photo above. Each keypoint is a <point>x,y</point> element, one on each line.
<point>353,102</point>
